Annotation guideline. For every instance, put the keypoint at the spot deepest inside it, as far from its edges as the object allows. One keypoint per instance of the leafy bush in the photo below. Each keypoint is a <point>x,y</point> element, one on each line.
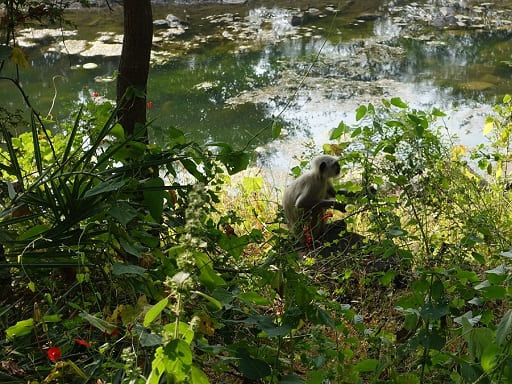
<point>130,263</point>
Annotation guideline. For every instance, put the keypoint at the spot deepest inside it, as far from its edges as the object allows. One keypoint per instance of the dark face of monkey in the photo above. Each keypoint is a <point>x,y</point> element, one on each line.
<point>334,167</point>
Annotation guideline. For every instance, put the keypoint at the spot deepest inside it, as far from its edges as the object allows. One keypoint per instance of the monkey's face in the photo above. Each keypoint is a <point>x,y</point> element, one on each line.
<point>327,166</point>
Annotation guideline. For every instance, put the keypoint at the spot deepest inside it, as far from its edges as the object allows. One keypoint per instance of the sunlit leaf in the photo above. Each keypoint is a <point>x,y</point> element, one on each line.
<point>368,365</point>
<point>276,130</point>
<point>197,376</point>
<point>155,311</point>
<point>397,102</point>
<point>21,328</point>
<point>361,112</point>
<point>252,184</point>
<point>19,57</point>
<point>489,124</point>
<point>340,130</point>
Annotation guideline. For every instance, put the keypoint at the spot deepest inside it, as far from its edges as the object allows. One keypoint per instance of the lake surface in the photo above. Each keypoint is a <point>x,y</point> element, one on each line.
<point>227,71</point>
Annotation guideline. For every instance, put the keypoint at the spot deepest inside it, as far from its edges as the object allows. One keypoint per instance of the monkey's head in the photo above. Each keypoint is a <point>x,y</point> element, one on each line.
<point>326,166</point>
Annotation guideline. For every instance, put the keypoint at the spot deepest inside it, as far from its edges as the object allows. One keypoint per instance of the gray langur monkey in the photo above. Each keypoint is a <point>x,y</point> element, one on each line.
<point>307,197</point>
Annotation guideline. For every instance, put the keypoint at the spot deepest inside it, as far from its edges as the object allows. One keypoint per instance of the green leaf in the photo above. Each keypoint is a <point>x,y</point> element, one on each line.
<point>368,365</point>
<point>434,312</point>
<point>119,269</point>
<point>197,376</point>
<point>52,318</point>
<point>147,339</point>
<point>129,247</point>
<point>506,99</point>
<point>102,325</point>
<point>155,311</point>
<point>361,112</point>
<point>494,292</point>
<point>276,130</point>
<point>21,328</point>
<point>122,212</point>
<point>177,357</point>
<point>253,369</point>
<point>489,357</point>
<point>252,184</point>
<point>33,232</point>
<point>183,329</point>
<point>340,130</point>
<point>397,102</point>
<point>176,135</point>
<point>104,187</point>
<point>436,112</point>
<point>210,278</point>
<point>253,298</point>
<point>489,125</point>
<point>153,191</point>
<point>387,278</point>
<point>217,304</point>
<point>19,57</point>
<point>504,328</point>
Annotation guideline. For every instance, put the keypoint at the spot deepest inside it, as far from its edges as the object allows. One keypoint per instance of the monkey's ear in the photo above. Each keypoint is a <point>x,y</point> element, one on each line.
<point>323,165</point>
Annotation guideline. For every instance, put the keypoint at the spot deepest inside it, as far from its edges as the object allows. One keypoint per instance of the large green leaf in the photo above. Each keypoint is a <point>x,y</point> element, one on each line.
<point>253,369</point>
<point>102,325</point>
<point>153,191</point>
<point>119,269</point>
<point>504,328</point>
<point>155,311</point>
<point>368,365</point>
<point>21,328</point>
<point>104,187</point>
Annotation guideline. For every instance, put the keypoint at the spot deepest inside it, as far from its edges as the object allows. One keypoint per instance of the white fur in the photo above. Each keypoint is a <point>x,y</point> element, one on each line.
<point>304,193</point>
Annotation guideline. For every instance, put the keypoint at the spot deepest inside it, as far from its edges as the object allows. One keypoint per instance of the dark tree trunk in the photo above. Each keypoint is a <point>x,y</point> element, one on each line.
<point>134,63</point>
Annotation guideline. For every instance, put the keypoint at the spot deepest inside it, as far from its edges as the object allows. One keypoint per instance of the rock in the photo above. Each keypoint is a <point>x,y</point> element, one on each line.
<point>160,24</point>
<point>297,20</point>
<point>90,66</point>
<point>100,48</point>
<point>175,22</point>
<point>234,2</point>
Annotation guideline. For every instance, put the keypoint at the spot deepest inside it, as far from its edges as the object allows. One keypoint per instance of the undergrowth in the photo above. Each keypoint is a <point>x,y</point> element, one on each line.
<point>125,262</point>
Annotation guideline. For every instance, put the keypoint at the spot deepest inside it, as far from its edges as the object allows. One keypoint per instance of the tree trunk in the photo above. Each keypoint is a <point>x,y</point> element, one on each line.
<point>134,63</point>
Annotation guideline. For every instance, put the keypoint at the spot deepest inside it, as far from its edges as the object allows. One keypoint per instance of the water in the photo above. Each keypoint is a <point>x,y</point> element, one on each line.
<point>238,67</point>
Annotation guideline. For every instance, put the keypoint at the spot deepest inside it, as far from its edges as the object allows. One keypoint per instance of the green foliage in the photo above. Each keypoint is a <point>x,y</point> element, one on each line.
<point>133,262</point>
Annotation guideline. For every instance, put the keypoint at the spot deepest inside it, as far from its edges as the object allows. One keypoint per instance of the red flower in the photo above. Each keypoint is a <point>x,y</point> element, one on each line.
<point>95,94</point>
<point>82,342</point>
<point>53,353</point>
<point>149,104</point>
<point>307,237</point>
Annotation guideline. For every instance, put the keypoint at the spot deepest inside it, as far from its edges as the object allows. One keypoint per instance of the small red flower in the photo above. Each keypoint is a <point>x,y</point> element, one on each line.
<point>307,237</point>
<point>53,353</point>
<point>114,332</point>
<point>82,342</point>
<point>95,94</point>
<point>149,104</point>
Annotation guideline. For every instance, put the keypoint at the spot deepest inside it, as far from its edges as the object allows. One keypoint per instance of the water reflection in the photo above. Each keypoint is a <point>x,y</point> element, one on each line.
<point>236,68</point>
